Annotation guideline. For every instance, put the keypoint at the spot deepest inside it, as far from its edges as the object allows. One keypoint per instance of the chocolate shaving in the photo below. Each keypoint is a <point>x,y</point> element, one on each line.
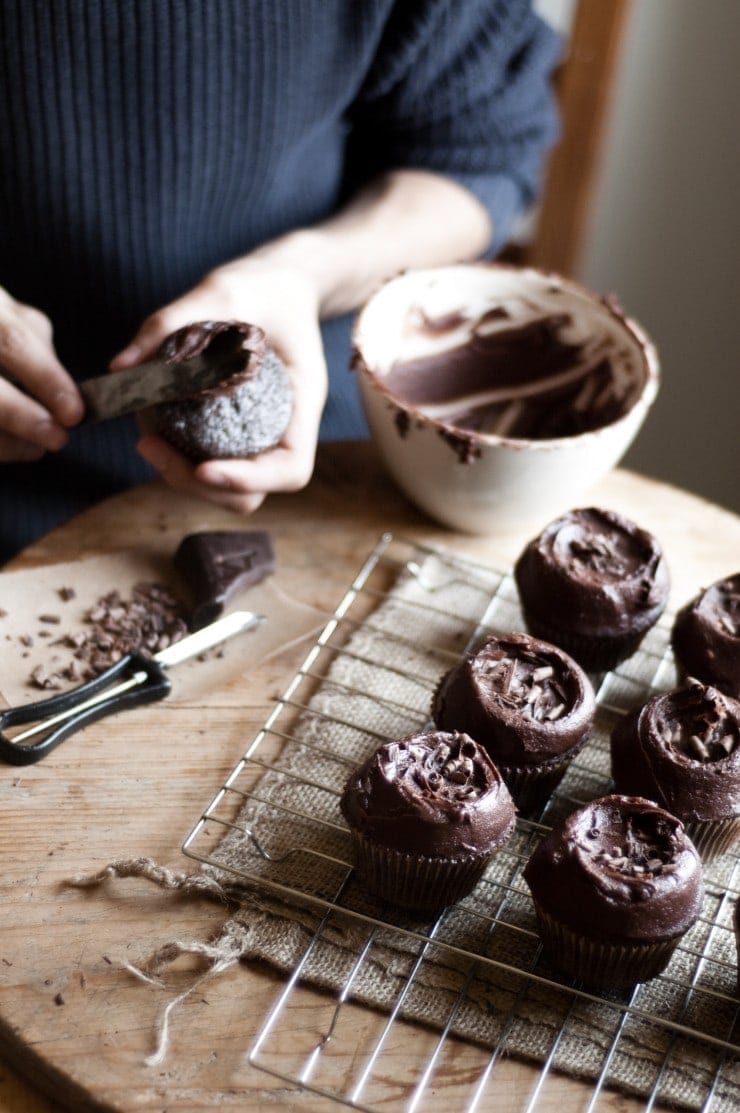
<point>148,622</point>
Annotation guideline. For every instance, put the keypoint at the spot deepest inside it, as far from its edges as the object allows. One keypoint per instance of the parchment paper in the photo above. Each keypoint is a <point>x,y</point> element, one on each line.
<point>27,595</point>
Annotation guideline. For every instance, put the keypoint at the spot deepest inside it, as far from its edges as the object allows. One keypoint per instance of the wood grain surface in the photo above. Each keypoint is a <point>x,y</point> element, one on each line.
<point>75,1027</point>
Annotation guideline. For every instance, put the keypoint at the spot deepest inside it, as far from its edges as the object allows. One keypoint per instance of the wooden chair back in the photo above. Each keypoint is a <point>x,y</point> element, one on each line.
<point>585,84</point>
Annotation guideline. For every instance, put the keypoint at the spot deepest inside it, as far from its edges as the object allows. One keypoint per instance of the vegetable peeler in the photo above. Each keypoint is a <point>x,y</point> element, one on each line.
<point>140,680</point>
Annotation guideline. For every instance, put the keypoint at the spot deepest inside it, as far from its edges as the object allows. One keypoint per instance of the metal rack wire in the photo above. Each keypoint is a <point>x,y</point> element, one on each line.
<point>465,1006</point>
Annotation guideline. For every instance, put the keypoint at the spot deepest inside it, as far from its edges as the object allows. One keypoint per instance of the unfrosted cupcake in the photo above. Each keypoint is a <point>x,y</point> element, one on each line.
<point>594,583</point>
<point>706,636</point>
<point>682,749</point>
<point>528,703</point>
<point>426,815</point>
<point>246,413</point>
<point>615,887</point>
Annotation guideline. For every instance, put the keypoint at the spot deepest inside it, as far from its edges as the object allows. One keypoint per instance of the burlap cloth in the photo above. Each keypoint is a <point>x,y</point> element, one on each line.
<point>482,972</point>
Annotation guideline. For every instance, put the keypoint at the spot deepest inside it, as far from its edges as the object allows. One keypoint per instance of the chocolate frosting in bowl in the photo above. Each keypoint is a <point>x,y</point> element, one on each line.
<point>523,699</point>
<point>621,869</point>
<point>488,349</point>
<point>593,571</point>
<point>434,793</point>
<point>682,749</point>
<point>706,635</point>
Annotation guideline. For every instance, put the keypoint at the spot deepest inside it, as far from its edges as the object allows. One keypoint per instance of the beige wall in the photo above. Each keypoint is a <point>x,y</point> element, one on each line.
<point>665,235</point>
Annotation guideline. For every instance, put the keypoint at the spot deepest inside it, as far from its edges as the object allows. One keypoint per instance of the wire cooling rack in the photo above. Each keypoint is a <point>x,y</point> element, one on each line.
<point>380,1012</point>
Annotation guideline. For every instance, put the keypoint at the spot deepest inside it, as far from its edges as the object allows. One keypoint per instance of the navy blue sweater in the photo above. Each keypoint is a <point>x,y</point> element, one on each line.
<point>143,142</point>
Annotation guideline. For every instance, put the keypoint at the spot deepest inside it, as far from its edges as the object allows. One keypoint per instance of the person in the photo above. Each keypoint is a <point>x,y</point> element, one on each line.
<point>271,161</point>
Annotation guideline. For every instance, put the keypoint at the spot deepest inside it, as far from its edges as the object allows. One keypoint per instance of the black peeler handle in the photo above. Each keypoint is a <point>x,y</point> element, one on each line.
<point>154,686</point>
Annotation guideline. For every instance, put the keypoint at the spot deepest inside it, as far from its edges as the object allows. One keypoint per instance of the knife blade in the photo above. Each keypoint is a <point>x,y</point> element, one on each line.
<point>124,392</point>
<point>59,716</point>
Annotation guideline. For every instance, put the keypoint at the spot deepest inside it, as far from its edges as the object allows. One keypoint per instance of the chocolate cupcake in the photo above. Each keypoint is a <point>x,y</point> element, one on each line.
<point>426,815</point>
<point>244,414</point>
<point>528,703</point>
<point>615,887</point>
<point>682,749</point>
<point>706,636</point>
<point>594,583</point>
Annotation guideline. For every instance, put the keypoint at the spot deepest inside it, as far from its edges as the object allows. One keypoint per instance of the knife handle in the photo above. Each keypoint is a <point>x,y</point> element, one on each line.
<point>144,682</point>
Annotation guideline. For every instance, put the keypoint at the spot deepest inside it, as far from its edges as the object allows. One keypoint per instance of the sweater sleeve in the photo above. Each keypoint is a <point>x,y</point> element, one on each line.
<point>463,90</point>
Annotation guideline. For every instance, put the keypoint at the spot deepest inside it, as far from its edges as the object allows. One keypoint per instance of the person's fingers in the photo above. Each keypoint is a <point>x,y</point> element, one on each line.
<point>24,419</point>
<point>244,290</point>
<point>14,450</point>
<point>180,474</point>
<point>280,469</point>
<point>195,306</point>
<point>27,356</point>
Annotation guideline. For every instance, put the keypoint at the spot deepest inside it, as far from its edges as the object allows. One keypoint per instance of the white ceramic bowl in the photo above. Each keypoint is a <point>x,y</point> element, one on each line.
<point>480,481</point>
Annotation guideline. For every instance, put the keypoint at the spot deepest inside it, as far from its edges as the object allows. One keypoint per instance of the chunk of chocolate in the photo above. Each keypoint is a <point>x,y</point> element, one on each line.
<point>217,564</point>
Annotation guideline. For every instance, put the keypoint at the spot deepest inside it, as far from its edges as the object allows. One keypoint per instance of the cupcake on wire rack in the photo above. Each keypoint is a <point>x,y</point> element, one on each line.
<point>706,636</point>
<point>615,887</point>
<point>682,749</point>
<point>528,703</point>
<point>426,814</point>
<point>594,583</point>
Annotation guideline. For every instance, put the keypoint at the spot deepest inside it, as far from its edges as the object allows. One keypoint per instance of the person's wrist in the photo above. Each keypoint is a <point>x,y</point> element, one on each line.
<point>313,254</point>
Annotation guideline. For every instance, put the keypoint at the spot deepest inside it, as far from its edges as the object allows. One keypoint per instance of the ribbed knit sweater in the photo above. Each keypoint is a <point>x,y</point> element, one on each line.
<point>143,142</point>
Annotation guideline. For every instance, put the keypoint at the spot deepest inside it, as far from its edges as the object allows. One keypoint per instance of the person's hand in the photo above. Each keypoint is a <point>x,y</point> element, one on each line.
<point>38,398</point>
<point>283,301</point>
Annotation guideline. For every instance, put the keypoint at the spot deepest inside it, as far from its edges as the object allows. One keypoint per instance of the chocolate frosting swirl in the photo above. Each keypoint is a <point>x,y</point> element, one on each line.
<point>434,793</point>
<point>682,749</point>
<point>619,869</point>
<point>706,635</point>
<point>239,345</point>
<point>523,699</point>
<point>594,571</point>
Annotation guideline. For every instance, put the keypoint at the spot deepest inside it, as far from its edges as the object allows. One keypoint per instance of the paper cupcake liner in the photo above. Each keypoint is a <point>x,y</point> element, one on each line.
<point>415,882</point>
<point>599,964</point>
<point>596,654</point>
<point>532,785</point>
<point>713,837</point>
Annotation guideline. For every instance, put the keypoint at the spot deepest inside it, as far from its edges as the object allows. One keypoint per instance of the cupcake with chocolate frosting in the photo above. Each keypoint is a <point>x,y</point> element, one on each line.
<point>682,749</point>
<point>615,887</point>
<point>528,703</point>
<point>706,636</point>
<point>426,815</point>
<point>246,413</point>
<point>594,583</point>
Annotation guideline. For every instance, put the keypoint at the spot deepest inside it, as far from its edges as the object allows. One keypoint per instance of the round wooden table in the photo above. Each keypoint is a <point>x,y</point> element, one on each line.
<point>74,1026</point>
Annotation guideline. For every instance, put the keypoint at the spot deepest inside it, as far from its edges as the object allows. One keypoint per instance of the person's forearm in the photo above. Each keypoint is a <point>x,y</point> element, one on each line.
<point>406,218</point>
